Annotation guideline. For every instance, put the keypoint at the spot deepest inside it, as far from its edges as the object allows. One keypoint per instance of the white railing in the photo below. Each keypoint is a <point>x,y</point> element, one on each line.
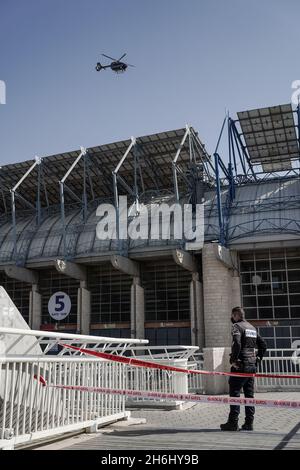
<point>279,361</point>
<point>196,381</point>
<point>30,411</point>
<point>156,380</point>
<point>42,343</point>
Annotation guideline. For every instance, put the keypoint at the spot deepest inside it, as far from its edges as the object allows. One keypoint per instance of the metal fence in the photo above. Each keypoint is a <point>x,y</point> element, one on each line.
<point>30,411</point>
<point>196,381</point>
<point>279,361</point>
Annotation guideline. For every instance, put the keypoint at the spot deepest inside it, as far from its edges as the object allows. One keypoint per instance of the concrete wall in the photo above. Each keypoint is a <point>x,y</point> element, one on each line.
<point>221,292</point>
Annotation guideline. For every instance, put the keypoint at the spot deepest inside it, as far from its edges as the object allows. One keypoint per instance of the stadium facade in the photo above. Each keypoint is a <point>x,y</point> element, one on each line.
<point>51,260</point>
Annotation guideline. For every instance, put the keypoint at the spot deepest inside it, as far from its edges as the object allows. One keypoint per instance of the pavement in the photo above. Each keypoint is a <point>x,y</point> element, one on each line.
<point>196,428</point>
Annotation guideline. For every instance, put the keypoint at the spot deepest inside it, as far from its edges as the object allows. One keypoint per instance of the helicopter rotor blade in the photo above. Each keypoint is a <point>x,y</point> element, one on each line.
<point>107,56</point>
<point>122,57</point>
<point>130,65</point>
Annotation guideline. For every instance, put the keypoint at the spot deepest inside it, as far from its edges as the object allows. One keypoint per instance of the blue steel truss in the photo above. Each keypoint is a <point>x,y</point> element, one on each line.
<point>240,171</point>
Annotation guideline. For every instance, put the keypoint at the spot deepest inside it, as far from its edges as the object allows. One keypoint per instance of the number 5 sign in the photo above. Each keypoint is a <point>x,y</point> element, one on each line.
<point>59,306</point>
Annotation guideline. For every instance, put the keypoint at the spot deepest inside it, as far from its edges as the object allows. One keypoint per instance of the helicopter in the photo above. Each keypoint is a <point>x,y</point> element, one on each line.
<point>116,65</point>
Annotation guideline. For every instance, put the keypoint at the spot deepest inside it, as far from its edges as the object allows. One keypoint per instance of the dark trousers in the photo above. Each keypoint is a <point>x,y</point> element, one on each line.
<point>236,384</point>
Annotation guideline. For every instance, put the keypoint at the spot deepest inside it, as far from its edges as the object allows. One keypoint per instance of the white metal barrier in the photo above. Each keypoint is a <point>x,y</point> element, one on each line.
<point>279,361</point>
<point>156,380</point>
<point>30,411</point>
<point>196,381</point>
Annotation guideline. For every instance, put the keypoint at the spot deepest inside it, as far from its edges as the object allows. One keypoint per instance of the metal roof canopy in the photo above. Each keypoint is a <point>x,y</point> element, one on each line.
<point>157,152</point>
<point>270,137</point>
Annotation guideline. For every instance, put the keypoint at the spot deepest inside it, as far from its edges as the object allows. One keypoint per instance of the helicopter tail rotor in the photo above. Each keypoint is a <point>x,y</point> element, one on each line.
<point>99,67</point>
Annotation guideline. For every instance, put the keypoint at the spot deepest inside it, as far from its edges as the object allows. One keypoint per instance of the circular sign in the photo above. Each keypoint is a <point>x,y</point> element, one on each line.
<point>59,306</point>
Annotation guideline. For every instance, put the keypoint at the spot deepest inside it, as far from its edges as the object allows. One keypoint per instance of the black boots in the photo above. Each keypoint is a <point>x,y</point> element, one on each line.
<point>230,426</point>
<point>247,426</point>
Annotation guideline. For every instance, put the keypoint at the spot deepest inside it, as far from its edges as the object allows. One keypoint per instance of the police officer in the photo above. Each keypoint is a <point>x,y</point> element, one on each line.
<point>243,358</point>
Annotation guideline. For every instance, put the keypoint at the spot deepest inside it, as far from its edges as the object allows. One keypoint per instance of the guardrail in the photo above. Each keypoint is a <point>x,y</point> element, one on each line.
<point>279,361</point>
<point>196,382</point>
<point>29,411</point>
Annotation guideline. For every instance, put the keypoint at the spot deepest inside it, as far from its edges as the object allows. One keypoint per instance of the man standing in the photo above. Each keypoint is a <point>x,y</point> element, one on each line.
<point>243,359</point>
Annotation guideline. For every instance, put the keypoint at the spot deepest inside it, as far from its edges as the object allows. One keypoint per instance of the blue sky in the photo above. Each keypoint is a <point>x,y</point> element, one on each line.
<point>193,60</point>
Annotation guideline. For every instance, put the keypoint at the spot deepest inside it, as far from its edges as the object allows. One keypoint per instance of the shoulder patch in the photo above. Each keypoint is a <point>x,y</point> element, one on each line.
<point>235,330</point>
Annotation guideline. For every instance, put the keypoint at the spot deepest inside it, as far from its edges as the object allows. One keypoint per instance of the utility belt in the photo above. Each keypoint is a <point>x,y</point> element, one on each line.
<point>245,362</point>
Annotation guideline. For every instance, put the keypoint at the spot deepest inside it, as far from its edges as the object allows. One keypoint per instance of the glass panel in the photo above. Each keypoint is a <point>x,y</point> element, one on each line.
<point>248,289</point>
<point>279,287</point>
<point>295,312</point>
<point>278,276</point>
<point>296,331</point>
<point>184,336</point>
<point>173,335</point>
<point>264,301</point>
<point>293,263</point>
<point>281,312</point>
<point>294,275</point>
<point>161,336</point>
<point>247,278</point>
<point>167,291</point>
<point>282,331</point>
<point>283,343</point>
<point>294,299</point>
<point>262,265</point>
<point>266,331</point>
<point>264,289</point>
<point>280,300</point>
<point>251,313</point>
<point>270,343</point>
<point>265,313</point>
<point>278,264</point>
<point>249,301</point>
<point>294,287</point>
<point>247,266</point>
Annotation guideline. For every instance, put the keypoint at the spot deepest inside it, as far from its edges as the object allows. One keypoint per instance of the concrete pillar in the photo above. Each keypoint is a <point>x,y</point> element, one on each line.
<point>35,308</point>
<point>220,292</point>
<point>236,290</point>
<point>216,359</point>
<point>83,309</point>
<point>137,311</point>
<point>196,312</point>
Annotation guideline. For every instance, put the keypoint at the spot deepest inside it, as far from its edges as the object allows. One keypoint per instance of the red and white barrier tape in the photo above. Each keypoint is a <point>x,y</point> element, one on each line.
<point>188,397</point>
<point>155,365</point>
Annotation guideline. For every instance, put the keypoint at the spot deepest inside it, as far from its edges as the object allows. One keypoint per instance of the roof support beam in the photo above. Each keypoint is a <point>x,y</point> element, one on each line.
<point>14,193</point>
<point>116,192</point>
<point>225,256</point>
<point>22,274</point>
<point>74,270</point>
<point>62,185</point>
<point>185,260</point>
<point>174,162</point>
<point>125,265</point>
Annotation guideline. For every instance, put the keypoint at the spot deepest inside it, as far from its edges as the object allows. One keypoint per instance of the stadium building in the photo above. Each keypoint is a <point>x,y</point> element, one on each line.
<point>62,276</point>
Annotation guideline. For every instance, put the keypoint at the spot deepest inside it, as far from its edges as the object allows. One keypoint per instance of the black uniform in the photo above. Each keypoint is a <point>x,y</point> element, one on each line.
<point>245,341</point>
